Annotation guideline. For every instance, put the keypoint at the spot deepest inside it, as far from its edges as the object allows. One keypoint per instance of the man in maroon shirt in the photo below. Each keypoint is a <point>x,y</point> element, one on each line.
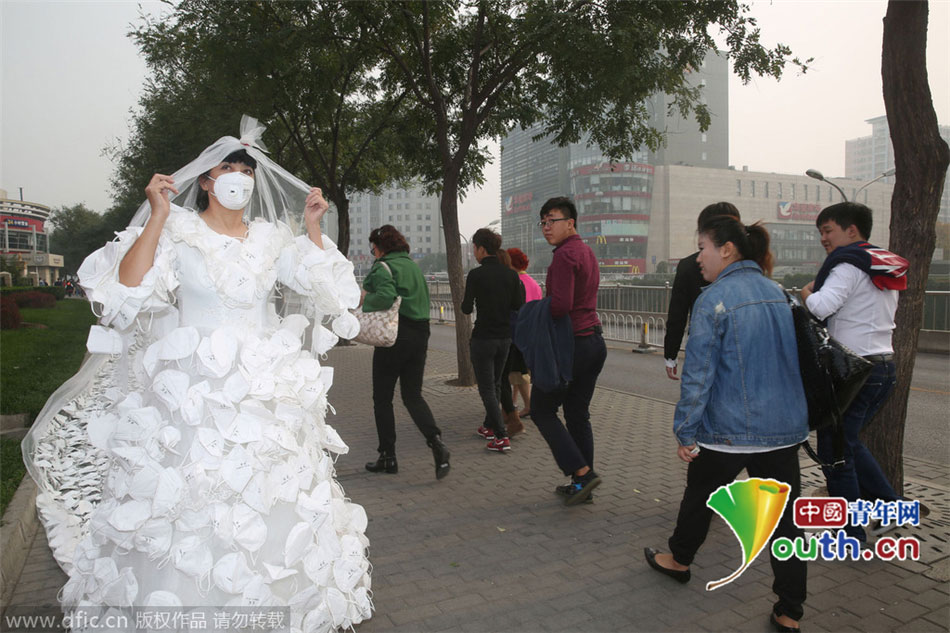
<point>572,282</point>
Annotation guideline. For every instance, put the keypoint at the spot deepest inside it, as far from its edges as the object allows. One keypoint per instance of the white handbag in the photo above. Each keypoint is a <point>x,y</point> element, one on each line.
<point>379,328</point>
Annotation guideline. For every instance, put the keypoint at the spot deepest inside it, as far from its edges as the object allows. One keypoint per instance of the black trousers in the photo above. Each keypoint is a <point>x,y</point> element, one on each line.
<point>404,361</point>
<point>489,356</point>
<point>712,469</point>
<point>505,394</point>
<point>572,443</point>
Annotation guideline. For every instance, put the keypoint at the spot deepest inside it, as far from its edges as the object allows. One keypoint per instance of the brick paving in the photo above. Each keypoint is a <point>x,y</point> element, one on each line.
<point>491,548</point>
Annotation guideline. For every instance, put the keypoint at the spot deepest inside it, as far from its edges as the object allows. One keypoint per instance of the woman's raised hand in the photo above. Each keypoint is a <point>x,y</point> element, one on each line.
<point>157,194</point>
<point>315,208</point>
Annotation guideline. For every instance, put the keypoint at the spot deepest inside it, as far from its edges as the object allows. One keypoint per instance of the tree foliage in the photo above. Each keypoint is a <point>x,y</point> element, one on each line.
<point>77,232</point>
<point>474,69</point>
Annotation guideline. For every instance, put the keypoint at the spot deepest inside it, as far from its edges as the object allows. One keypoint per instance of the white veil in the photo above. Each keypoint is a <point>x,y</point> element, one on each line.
<point>278,196</point>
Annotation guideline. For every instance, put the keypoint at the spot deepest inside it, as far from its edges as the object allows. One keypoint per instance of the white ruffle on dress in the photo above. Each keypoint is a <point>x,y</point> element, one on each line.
<point>208,440</point>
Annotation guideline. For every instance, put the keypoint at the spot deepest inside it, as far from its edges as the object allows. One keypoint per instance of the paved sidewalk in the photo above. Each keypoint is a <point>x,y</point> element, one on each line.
<point>491,548</point>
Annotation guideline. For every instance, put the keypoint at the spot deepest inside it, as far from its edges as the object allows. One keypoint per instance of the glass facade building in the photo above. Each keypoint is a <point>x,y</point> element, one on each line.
<point>614,199</point>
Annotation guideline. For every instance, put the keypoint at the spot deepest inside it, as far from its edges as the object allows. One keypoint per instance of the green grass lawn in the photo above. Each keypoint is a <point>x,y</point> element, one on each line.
<point>34,362</point>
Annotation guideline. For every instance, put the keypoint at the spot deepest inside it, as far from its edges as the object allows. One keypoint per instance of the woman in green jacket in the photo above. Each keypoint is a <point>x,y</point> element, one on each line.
<point>394,273</point>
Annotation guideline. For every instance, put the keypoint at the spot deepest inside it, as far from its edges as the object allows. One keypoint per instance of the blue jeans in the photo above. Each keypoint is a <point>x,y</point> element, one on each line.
<point>572,443</point>
<point>489,356</point>
<point>860,476</point>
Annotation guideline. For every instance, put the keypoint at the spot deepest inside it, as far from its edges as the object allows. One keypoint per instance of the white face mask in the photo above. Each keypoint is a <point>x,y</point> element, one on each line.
<point>233,190</point>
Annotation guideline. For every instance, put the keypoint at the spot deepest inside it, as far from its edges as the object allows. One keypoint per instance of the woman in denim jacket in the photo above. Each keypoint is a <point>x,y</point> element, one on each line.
<point>742,405</point>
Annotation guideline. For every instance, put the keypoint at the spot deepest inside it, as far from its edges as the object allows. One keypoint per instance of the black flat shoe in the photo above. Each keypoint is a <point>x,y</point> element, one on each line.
<point>385,464</point>
<point>781,628</point>
<point>675,574</point>
<point>441,454</point>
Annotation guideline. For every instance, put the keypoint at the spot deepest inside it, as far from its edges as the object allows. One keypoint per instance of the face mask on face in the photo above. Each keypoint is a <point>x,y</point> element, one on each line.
<point>233,190</point>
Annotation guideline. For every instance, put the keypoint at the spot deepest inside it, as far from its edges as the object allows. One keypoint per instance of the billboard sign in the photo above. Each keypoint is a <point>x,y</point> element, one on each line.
<point>798,211</point>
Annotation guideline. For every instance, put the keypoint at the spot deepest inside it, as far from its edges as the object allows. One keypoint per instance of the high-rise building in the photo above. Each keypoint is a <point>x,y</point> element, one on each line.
<point>414,213</point>
<point>867,157</point>
<point>613,198</point>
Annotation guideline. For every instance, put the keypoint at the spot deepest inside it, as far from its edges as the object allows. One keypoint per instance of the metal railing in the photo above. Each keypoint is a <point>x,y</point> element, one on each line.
<point>645,330</point>
<point>936,310</point>
<point>625,310</point>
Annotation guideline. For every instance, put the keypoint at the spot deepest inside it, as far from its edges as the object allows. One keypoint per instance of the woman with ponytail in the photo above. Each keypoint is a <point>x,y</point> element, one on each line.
<point>741,404</point>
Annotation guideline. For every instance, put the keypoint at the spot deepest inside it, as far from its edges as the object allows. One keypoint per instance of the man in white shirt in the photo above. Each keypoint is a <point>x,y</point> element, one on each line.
<point>856,291</point>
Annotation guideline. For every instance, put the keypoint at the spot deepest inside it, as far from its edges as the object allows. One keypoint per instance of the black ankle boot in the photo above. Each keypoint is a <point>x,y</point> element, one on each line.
<point>385,464</point>
<point>441,454</point>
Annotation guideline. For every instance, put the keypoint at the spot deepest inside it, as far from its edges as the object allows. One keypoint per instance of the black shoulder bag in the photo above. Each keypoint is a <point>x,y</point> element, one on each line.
<point>832,376</point>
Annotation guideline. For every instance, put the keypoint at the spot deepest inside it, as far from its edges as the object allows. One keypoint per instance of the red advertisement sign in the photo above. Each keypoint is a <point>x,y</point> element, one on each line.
<point>798,211</point>
<point>519,202</point>
<point>21,223</point>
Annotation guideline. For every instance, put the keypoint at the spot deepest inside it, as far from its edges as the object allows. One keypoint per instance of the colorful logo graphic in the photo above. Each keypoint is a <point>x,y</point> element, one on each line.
<point>752,508</point>
<point>821,512</point>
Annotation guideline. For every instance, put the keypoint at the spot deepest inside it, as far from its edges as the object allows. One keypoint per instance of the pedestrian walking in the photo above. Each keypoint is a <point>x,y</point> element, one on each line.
<point>518,375</point>
<point>494,291</point>
<point>571,285</point>
<point>856,290</point>
<point>742,405</point>
<point>393,274</point>
<point>687,285</point>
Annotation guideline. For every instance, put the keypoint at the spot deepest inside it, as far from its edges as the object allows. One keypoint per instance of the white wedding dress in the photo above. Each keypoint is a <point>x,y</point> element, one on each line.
<point>208,441</point>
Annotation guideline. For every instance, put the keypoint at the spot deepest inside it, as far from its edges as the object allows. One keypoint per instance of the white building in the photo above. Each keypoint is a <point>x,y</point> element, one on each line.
<point>868,157</point>
<point>786,204</point>
<point>414,213</point>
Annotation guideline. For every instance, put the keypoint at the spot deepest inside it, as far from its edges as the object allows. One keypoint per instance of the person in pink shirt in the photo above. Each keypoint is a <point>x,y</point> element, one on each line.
<point>516,370</point>
<point>519,261</point>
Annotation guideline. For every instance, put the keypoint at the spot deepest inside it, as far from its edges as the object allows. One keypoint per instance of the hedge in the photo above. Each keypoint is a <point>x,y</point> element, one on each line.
<point>9,314</point>
<point>34,299</point>
<point>57,291</point>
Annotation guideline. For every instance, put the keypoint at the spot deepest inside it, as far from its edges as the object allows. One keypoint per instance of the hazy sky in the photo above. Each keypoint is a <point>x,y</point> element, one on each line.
<point>70,77</point>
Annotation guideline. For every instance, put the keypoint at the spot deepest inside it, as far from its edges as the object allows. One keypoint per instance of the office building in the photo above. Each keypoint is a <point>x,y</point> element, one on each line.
<point>410,210</point>
<point>868,157</point>
<point>786,204</point>
<point>613,198</point>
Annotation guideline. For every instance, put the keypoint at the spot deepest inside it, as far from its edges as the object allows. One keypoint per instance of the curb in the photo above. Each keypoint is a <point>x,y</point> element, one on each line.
<point>16,534</point>
<point>14,422</point>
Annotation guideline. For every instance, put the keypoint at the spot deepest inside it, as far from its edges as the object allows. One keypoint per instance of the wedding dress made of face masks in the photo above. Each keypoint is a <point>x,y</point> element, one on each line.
<point>193,463</point>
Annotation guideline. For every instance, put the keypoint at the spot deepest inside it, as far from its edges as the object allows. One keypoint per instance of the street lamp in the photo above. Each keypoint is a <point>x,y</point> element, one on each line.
<point>817,175</point>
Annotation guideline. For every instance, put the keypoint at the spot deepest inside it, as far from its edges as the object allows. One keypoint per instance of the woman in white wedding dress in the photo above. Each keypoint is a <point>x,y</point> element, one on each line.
<point>201,417</point>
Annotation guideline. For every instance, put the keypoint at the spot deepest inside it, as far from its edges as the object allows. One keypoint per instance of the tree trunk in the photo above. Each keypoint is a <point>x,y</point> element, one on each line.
<point>343,225</point>
<point>921,158</point>
<point>453,250</point>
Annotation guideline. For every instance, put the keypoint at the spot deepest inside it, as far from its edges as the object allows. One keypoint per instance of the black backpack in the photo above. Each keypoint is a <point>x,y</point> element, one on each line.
<point>832,376</point>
